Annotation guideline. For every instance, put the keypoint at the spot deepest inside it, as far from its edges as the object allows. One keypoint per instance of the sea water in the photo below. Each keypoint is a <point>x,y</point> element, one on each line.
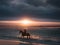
<point>42,36</point>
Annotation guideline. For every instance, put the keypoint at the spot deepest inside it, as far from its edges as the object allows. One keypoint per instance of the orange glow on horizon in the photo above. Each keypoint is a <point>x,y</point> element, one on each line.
<point>25,22</point>
<point>28,22</point>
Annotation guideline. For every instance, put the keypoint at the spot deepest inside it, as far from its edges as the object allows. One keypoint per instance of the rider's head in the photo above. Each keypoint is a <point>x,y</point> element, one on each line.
<point>24,30</point>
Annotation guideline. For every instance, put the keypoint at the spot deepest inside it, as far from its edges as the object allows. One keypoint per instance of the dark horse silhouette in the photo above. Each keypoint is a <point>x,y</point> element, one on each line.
<point>24,33</point>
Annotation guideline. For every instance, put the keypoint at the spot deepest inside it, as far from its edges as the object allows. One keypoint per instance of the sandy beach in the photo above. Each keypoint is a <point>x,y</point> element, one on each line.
<point>9,42</point>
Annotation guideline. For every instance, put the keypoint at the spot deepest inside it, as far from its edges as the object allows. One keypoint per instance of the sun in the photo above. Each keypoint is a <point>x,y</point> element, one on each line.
<point>25,22</point>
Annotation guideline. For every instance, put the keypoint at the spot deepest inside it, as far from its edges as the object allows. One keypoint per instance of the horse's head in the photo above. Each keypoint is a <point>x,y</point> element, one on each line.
<point>20,31</point>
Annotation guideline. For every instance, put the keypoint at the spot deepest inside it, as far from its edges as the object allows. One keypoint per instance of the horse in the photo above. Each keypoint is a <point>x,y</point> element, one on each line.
<point>24,33</point>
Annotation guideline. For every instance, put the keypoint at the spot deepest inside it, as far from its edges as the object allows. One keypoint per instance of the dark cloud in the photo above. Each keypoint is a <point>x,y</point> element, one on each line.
<point>37,2</point>
<point>34,8</point>
<point>54,3</point>
<point>44,2</point>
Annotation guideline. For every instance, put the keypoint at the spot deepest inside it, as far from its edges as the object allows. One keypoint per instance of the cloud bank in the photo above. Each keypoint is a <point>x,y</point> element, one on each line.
<point>49,9</point>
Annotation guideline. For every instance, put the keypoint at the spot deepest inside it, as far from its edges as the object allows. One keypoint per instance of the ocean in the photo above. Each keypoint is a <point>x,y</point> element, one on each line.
<point>39,36</point>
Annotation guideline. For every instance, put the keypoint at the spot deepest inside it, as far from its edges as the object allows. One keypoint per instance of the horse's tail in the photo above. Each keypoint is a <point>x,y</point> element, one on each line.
<point>19,32</point>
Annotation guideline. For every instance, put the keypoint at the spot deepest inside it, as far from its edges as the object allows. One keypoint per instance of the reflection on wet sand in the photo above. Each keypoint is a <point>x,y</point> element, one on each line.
<point>8,42</point>
<point>14,42</point>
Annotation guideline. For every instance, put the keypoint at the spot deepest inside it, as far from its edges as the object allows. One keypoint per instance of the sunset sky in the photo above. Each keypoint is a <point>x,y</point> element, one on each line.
<point>41,11</point>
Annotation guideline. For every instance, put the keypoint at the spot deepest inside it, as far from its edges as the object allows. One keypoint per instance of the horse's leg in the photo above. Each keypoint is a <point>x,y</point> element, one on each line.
<point>27,37</point>
<point>22,36</point>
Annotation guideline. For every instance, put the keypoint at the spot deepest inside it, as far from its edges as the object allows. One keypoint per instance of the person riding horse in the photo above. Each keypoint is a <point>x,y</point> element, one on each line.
<point>24,33</point>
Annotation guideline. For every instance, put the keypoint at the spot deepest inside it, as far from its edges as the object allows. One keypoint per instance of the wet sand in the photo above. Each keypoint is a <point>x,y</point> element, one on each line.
<point>14,42</point>
<point>9,42</point>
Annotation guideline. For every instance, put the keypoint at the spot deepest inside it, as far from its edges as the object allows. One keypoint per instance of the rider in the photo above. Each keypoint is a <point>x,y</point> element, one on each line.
<point>25,30</point>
